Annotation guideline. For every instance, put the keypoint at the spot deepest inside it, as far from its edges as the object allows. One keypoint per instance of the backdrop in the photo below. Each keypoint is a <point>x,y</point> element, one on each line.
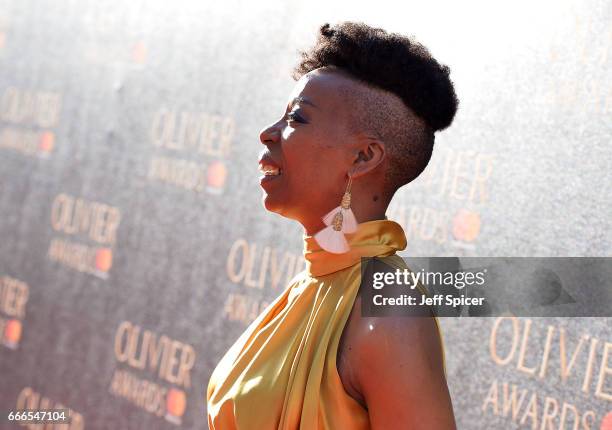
<point>134,248</point>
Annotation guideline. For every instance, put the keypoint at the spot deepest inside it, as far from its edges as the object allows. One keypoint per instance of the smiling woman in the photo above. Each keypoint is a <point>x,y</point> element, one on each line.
<point>359,124</point>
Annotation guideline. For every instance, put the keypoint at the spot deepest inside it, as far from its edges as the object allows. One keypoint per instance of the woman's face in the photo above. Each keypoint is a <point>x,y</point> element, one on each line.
<point>309,150</point>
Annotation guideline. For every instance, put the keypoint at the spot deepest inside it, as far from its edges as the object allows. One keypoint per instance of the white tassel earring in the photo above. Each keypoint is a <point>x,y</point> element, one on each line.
<point>339,221</point>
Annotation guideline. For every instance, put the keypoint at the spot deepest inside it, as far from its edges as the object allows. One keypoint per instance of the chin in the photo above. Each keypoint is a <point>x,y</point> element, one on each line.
<point>270,204</point>
<point>276,207</point>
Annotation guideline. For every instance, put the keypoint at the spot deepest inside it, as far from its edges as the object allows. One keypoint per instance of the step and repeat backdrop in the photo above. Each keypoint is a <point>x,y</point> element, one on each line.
<point>134,248</point>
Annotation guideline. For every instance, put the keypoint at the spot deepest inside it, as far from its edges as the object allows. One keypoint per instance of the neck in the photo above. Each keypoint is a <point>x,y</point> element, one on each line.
<point>364,211</point>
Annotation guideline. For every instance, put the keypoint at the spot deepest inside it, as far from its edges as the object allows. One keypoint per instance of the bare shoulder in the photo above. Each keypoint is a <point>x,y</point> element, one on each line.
<point>399,369</point>
<point>398,341</point>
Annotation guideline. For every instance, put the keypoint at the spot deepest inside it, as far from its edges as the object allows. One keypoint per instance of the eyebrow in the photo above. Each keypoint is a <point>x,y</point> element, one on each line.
<point>300,99</point>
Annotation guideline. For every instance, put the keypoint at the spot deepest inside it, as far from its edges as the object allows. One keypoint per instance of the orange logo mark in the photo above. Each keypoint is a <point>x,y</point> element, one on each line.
<point>217,173</point>
<point>176,402</point>
<point>47,140</point>
<point>12,332</point>
<point>139,53</point>
<point>466,225</point>
<point>606,423</point>
<point>104,259</point>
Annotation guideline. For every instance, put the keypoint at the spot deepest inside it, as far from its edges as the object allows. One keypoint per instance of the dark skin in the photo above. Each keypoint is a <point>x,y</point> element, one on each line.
<point>312,184</point>
<point>393,365</point>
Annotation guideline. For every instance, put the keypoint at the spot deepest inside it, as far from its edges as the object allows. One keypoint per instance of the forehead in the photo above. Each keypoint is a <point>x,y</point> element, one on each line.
<point>325,88</point>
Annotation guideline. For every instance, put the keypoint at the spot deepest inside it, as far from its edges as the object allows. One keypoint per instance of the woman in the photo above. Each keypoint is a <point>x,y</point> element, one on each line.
<point>360,124</point>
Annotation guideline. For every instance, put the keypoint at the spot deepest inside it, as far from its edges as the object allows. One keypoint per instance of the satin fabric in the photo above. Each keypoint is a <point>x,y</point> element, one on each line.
<point>281,373</point>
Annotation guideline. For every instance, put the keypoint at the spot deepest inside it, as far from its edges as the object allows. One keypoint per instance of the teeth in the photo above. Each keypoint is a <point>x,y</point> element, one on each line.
<point>270,170</point>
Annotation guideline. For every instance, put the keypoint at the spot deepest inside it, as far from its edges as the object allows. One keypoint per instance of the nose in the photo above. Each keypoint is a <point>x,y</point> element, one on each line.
<point>270,134</point>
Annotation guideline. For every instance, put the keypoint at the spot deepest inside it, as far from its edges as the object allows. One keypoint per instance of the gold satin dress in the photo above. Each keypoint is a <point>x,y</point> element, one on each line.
<point>281,372</point>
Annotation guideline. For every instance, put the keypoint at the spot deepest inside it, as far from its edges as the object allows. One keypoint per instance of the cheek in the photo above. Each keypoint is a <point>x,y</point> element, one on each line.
<point>287,132</point>
<point>310,164</point>
<point>312,176</point>
<point>300,170</point>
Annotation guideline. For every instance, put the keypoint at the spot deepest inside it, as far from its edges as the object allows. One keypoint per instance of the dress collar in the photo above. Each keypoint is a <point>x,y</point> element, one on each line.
<point>381,237</point>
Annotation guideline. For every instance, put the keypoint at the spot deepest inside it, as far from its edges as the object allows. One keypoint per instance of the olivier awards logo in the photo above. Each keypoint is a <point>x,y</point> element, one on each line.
<point>190,149</point>
<point>460,182</point>
<point>259,269</point>
<point>155,371</point>
<point>118,40</point>
<point>548,360</point>
<point>590,47</point>
<point>28,119</point>
<point>88,232</point>
<point>13,299</point>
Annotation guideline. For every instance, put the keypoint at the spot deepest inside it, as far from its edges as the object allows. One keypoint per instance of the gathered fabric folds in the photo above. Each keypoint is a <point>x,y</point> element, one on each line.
<point>281,372</point>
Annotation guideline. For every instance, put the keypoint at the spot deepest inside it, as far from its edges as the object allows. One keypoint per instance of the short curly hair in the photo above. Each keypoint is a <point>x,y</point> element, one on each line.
<point>398,65</point>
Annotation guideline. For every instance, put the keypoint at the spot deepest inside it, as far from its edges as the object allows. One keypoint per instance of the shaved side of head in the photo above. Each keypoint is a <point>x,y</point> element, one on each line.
<point>405,95</point>
<point>407,137</point>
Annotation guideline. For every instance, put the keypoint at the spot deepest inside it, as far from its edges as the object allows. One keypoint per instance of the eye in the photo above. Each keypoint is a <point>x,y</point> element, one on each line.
<point>293,116</point>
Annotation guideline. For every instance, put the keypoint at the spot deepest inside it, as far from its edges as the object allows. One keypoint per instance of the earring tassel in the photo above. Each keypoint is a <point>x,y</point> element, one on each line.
<point>339,220</point>
<point>332,240</point>
<point>349,222</point>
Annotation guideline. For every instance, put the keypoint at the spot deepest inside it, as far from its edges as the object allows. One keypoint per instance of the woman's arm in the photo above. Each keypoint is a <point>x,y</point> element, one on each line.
<point>400,374</point>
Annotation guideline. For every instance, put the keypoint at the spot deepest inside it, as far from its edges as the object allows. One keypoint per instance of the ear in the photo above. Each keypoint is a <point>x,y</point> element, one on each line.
<point>368,154</point>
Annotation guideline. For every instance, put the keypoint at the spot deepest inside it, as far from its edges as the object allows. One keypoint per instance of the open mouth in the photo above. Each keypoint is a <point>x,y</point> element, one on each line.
<point>270,173</point>
<point>269,168</point>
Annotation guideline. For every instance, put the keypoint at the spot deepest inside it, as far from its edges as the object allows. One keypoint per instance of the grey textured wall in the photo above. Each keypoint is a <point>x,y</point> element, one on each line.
<point>130,214</point>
